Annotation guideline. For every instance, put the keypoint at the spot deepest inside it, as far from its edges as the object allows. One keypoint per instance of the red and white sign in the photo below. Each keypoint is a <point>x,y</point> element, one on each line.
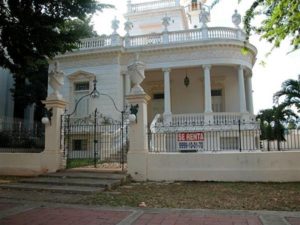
<point>191,136</point>
<point>187,141</point>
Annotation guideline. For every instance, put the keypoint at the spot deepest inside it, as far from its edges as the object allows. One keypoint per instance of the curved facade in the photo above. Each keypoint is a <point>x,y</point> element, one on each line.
<point>191,69</point>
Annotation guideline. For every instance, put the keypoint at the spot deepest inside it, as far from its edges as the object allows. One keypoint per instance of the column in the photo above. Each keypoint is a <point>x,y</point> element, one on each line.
<point>249,94</point>
<point>242,96</point>
<point>52,157</point>
<point>207,89</point>
<point>138,136</point>
<point>127,83</point>
<point>167,93</point>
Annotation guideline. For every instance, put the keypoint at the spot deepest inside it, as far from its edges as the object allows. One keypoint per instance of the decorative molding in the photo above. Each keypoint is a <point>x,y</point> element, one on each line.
<point>81,75</point>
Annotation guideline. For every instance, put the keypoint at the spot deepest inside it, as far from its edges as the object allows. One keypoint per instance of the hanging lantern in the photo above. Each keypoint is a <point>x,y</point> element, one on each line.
<point>186,81</point>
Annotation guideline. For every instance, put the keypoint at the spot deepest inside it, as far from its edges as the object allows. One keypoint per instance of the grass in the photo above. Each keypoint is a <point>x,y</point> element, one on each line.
<point>205,195</point>
<point>73,163</point>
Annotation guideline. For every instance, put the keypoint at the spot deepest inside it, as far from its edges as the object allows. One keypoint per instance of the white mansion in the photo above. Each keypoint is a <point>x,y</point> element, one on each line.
<point>194,73</point>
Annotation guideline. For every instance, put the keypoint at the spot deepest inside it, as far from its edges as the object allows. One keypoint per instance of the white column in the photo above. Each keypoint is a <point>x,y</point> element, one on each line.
<point>207,89</point>
<point>242,95</point>
<point>127,83</point>
<point>249,93</point>
<point>167,92</point>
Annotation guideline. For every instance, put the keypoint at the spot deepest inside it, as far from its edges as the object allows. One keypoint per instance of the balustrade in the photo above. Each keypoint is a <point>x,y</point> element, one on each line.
<point>152,5</point>
<point>198,119</point>
<point>98,42</point>
<point>193,35</point>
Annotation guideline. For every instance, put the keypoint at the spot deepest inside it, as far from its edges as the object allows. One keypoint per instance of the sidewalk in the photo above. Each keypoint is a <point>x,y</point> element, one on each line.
<point>33,213</point>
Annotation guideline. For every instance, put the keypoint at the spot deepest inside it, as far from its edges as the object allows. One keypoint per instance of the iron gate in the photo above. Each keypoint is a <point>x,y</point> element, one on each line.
<point>94,140</point>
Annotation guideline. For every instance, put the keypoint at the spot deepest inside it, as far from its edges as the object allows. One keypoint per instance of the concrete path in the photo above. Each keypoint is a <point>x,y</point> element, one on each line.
<point>14,212</point>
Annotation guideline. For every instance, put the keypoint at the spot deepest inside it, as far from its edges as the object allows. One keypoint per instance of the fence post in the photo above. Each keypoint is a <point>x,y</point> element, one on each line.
<point>53,155</point>
<point>240,138</point>
<point>138,136</point>
<point>138,146</point>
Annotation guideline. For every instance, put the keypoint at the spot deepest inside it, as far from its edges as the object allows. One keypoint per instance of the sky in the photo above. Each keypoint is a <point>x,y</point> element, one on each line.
<point>279,66</point>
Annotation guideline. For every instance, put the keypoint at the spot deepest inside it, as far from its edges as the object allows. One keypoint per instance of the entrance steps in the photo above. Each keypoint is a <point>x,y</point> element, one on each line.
<point>77,182</point>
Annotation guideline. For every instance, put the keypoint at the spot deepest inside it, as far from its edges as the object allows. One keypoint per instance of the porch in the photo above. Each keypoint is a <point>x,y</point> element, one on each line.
<point>198,96</point>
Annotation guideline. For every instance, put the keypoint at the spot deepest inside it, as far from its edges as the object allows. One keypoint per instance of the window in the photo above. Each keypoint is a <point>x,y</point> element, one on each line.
<point>159,96</point>
<point>217,100</point>
<point>82,86</point>
<point>216,92</point>
<point>194,5</point>
<point>79,145</point>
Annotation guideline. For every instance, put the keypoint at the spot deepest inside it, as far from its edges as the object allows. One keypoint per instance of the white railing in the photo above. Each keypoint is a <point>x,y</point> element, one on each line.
<point>140,7</point>
<point>188,119</point>
<point>226,118</point>
<point>203,119</point>
<point>145,40</point>
<point>185,36</point>
<point>97,42</point>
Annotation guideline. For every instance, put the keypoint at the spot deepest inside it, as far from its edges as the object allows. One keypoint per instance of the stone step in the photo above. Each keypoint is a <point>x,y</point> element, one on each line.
<point>53,188</point>
<point>107,184</point>
<point>89,175</point>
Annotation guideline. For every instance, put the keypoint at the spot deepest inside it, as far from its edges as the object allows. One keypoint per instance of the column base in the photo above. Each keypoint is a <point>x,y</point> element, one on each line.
<point>167,119</point>
<point>138,165</point>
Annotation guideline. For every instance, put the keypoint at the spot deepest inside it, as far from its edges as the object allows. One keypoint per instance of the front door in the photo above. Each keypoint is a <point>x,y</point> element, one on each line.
<point>216,100</point>
<point>157,104</point>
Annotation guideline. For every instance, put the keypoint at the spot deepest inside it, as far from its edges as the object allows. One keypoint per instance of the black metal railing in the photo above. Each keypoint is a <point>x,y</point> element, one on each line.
<point>239,137</point>
<point>94,140</point>
<point>21,136</point>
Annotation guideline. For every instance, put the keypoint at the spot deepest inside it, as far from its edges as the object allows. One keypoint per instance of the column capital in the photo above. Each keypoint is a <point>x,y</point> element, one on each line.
<point>241,67</point>
<point>166,70</point>
<point>125,73</point>
<point>206,66</point>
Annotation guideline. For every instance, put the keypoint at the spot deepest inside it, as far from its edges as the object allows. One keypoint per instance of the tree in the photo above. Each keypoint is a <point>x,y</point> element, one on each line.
<point>31,32</point>
<point>272,123</point>
<point>280,20</point>
<point>290,90</point>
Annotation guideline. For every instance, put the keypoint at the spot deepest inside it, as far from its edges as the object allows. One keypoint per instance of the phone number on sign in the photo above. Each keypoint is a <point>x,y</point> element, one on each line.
<point>190,145</point>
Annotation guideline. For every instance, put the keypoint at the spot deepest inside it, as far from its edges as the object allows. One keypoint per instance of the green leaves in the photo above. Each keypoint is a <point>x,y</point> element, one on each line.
<point>36,30</point>
<point>281,20</point>
<point>33,31</point>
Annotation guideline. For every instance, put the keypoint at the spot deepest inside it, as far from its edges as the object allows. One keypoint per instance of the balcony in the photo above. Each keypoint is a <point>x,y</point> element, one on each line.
<point>163,39</point>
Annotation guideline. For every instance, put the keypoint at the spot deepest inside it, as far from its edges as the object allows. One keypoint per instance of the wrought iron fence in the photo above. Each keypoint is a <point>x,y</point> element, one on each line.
<point>17,135</point>
<point>94,140</point>
<point>239,137</point>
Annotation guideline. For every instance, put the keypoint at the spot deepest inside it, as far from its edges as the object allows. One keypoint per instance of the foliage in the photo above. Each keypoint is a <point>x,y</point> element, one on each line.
<point>273,121</point>
<point>290,90</point>
<point>31,33</point>
<point>280,20</point>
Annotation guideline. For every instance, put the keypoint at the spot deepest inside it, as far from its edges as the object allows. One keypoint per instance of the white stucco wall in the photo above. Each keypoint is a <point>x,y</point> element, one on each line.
<point>151,21</point>
<point>245,166</point>
<point>110,82</point>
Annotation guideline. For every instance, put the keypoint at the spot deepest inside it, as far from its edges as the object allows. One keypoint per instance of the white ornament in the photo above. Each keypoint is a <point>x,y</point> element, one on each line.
<point>204,17</point>
<point>236,19</point>
<point>136,72</point>
<point>166,22</point>
<point>115,25</point>
<point>128,25</point>
<point>56,81</point>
